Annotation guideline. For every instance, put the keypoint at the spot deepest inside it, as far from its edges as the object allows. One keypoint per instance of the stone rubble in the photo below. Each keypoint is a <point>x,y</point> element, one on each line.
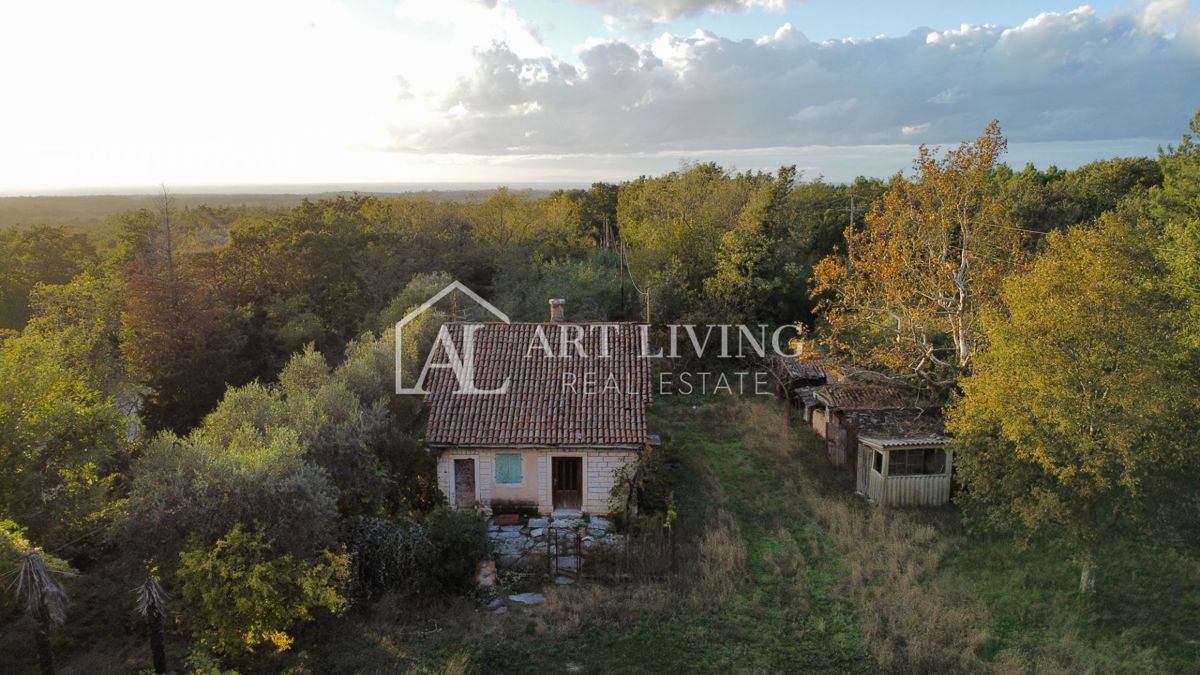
<point>522,546</point>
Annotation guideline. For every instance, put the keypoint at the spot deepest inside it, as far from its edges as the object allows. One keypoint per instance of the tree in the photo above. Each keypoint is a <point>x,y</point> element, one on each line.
<point>1177,206</point>
<point>38,255</point>
<point>45,602</point>
<point>83,317</point>
<point>152,605</point>
<point>908,294</point>
<point>178,338</point>
<point>745,279</point>
<point>241,593</point>
<point>61,442</point>
<point>199,488</point>
<point>1078,417</point>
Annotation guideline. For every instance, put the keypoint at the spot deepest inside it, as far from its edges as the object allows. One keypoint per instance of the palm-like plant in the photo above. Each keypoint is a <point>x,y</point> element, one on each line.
<point>152,604</point>
<point>45,602</point>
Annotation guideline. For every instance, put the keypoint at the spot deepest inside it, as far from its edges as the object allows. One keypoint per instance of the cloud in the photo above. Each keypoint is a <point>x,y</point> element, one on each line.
<point>1072,76</point>
<point>644,14</point>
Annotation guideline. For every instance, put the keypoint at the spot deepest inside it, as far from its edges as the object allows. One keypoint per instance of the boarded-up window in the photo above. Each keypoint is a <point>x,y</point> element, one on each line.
<point>508,469</point>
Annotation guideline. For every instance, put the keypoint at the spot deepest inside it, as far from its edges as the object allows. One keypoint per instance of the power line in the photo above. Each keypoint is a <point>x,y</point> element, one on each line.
<point>629,271</point>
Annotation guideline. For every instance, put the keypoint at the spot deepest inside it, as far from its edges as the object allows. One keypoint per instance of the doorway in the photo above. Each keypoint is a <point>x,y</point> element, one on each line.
<point>567,487</point>
<point>464,483</point>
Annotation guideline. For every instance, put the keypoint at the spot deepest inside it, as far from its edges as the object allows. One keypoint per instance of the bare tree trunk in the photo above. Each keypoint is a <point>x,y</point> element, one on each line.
<point>45,654</point>
<point>1087,577</point>
<point>167,209</point>
<point>158,649</point>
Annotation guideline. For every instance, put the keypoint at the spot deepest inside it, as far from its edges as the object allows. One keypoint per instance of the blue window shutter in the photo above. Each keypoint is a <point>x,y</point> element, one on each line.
<point>508,469</point>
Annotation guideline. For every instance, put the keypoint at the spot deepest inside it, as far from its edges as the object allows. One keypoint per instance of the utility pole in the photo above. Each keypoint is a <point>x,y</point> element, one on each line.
<point>849,240</point>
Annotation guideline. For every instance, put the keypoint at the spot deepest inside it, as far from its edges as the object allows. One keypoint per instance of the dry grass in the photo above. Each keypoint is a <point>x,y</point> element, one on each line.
<point>720,564</point>
<point>908,623</point>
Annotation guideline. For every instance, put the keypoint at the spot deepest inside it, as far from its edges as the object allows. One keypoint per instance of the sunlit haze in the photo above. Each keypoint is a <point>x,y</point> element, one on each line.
<point>130,94</point>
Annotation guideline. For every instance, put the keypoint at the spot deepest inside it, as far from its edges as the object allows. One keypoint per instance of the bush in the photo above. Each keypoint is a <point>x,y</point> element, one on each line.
<point>195,488</point>
<point>386,555</point>
<point>458,542</point>
<point>240,594</point>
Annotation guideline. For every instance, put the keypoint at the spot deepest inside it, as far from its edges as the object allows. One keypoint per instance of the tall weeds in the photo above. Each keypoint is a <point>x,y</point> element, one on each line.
<point>909,623</point>
<point>720,562</point>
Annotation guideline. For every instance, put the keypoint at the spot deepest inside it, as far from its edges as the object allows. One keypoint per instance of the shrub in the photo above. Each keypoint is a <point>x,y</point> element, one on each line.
<point>240,594</point>
<point>458,542</point>
<point>387,555</point>
<point>186,488</point>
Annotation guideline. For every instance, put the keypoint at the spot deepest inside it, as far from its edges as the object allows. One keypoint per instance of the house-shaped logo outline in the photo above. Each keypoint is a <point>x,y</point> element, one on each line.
<point>452,286</point>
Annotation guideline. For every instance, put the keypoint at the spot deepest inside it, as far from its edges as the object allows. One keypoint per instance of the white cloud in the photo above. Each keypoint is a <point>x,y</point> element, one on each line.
<point>287,91</point>
<point>1068,76</point>
<point>644,14</point>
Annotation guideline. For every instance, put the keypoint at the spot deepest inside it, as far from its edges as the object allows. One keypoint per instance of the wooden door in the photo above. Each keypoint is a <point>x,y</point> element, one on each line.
<point>567,487</point>
<point>464,483</point>
<point>863,469</point>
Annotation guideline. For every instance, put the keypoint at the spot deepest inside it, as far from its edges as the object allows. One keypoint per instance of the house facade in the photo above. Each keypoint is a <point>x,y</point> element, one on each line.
<point>835,418</point>
<point>559,439</point>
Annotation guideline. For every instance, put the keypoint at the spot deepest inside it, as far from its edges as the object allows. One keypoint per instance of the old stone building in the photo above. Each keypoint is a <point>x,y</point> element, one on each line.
<point>572,418</point>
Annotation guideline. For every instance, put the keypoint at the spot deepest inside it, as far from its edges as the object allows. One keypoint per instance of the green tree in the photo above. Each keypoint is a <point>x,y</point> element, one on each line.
<point>240,593</point>
<point>1077,419</point>
<point>40,255</point>
<point>200,487</point>
<point>745,279</point>
<point>61,442</point>
<point>1177,206</point>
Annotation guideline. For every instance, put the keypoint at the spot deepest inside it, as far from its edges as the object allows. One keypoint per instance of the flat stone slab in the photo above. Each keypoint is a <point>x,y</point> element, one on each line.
<point>528,598</point>
<point>539,522</point>
<point>561,580</point>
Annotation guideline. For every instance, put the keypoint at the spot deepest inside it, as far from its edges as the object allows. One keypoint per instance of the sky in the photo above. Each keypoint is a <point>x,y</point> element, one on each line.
<point>131,94</point>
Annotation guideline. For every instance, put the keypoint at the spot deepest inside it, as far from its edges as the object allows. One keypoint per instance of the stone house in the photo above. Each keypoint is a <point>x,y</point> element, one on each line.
<point>839,404</point>
<point>556,441</point>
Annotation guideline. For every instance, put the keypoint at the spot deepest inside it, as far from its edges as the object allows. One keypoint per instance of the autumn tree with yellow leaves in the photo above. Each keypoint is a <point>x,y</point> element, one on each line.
<point>907,294</point>
<point>1079,420</point>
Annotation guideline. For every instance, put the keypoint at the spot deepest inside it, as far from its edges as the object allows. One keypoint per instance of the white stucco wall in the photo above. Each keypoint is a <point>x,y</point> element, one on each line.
<point>599,471</point>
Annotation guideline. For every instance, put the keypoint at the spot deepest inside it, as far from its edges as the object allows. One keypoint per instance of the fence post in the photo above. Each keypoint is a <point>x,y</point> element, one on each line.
<point>578,555</point>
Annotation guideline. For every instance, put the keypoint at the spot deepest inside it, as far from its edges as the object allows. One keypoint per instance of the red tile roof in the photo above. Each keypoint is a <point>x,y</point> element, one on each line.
<point>605,408</point>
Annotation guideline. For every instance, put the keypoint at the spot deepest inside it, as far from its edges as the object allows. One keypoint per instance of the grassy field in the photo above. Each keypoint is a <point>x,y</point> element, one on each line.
<point>784,570</point>
<point>781,569</point>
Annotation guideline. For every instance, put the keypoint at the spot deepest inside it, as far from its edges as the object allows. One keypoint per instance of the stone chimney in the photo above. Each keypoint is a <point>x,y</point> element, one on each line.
<point>558,308</point>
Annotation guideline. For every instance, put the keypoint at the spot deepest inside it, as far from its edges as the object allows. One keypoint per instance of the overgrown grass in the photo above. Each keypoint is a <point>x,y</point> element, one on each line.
<point>932,597</point>
<point>781,569</point>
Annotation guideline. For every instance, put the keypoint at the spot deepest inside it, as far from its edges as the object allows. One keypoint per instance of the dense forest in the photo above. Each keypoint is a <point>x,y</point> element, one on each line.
<point>193,396</point>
